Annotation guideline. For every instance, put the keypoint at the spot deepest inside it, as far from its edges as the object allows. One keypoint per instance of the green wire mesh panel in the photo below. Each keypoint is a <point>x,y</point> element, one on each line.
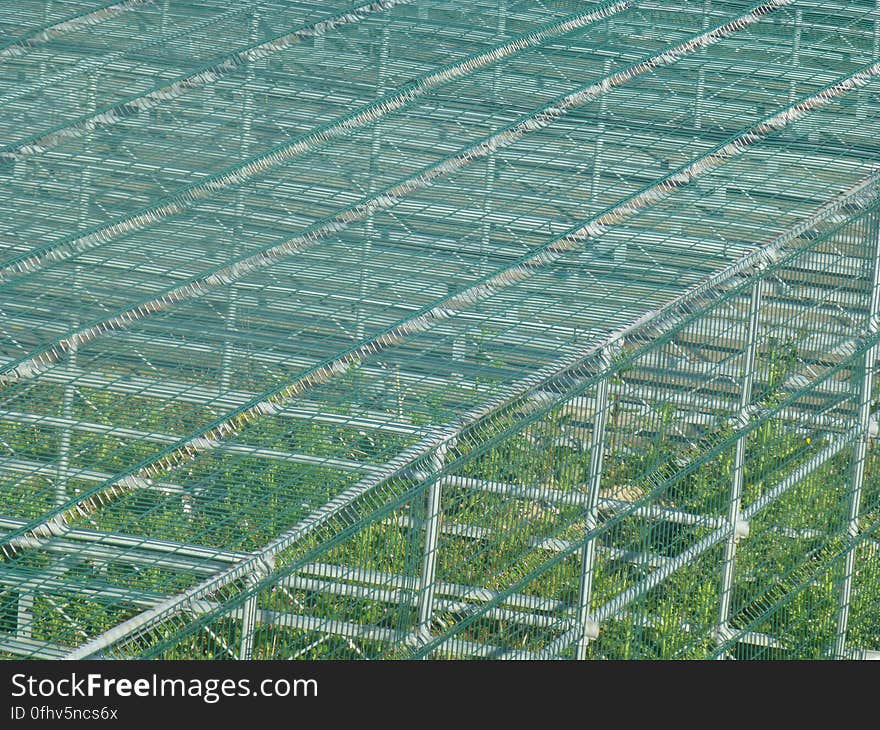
<point>431,329</point>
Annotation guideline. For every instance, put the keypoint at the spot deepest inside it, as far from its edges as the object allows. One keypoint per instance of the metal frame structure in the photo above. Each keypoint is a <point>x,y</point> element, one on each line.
<point>419,329</point>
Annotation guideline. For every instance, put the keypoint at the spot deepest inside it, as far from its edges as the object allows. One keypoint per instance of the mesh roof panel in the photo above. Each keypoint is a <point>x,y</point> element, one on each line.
<point>254,256</point>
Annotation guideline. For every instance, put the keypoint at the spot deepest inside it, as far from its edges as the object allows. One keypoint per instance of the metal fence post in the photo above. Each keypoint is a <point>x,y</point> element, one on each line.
<point>701,74</point>
<point>372,187</point>
<point>244,141</point>
<point>737,528</point>
<point>248,623</point>
<point>249,608</point>
<point>163,18</point>
<point>857,471</point>
<point>24,618</point>
<point>69,393</point>
<point>491,171</point>
<point>428,576</point>
<point>877,29</point>
<point>588,628</point>
<point>596,177</point>
<point>795,58</point>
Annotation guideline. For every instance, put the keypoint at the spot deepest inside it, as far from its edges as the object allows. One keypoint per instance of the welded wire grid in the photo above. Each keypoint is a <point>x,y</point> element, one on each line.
<point>427,329</point>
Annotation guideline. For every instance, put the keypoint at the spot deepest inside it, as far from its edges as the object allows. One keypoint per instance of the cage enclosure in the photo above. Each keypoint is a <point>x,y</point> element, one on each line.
<point>439,329</point>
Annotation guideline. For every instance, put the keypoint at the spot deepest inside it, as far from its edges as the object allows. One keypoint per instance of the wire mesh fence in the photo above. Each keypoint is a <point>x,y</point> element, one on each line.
<point>483,329</point>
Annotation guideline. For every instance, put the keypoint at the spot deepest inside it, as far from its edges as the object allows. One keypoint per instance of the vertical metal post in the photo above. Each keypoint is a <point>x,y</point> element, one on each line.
<point>372,186</point>
<point>68,395</point>
<point>245,137</point>
<point>877,29</point>
<point>47,9</point>
<point>491,162</point>
<point>795,58</point>
<point>734,507</point>
<point>701,74</point>
<point>460,344</point>
<point>248,624</point>
<point>600,134</point>
<point>25,616</point>
<point>163,19</point>
<point>244,141</point>
<point>798,32</point>
<point>459,353</point>
<point>857,471</point>
<point>588,628</point>
<point>433,514</point>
